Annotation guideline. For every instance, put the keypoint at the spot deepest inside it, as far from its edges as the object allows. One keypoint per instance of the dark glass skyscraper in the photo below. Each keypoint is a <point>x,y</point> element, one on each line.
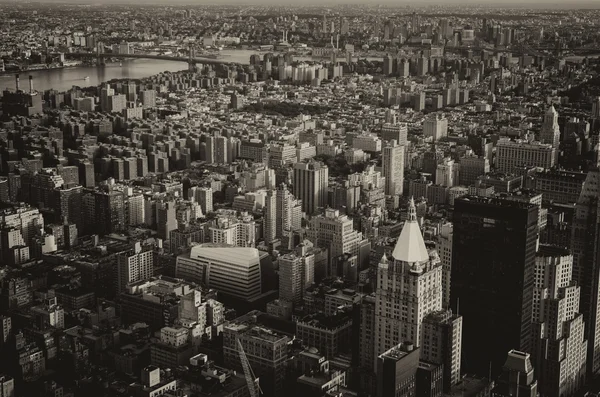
<point>493,260</point>
<point>585,245</point>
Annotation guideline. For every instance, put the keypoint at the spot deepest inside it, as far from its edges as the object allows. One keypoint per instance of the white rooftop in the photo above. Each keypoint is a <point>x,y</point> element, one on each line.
<point>234,255</point>
<point>410,246</point>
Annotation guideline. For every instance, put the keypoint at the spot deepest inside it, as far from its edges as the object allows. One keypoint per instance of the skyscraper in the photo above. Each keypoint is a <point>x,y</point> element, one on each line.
<point>493,260</point>
<point>596,108</point>
<point>397,371</point>
<point>585,247</point>
<point>409,287</point>
<point>444,249</point>
<point>442,344</point>
<point>134,265</point>
<point>336,233</point>
<point>310,185</point>
<point>289,211</point>
<point>550,132</point>
<point>518,378</point>
<point>393,168</point>
<point>558,346</point>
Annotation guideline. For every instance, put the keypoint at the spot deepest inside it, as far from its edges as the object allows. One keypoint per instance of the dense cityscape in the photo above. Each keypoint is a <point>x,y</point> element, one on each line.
<point>312,201</point>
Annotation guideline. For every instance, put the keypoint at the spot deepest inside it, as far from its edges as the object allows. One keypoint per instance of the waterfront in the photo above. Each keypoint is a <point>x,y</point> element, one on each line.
<point>64,79</point>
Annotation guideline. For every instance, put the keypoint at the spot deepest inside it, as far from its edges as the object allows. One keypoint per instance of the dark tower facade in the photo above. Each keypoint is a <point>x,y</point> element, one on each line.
<point>493,262</point>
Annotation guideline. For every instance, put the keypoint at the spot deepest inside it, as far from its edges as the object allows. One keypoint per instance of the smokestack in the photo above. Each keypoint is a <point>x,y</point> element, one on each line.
<point>30,84</point>
<point>17,82</point>
<point>337,43</point>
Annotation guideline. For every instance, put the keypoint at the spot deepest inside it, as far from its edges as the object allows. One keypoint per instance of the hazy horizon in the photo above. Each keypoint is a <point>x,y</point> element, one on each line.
<point>401,3</point>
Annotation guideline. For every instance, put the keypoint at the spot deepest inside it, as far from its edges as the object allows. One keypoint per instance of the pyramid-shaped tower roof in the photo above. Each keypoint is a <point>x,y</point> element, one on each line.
<point>410,246</point>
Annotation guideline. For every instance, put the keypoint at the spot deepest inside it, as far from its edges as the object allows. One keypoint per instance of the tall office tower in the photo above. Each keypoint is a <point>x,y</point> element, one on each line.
<point>134,265</point>
<point>136,214</point>
<point>395,132</point>
<point>447,173</point>
<point>393,168</point>
<point>442,344</point>
<point>5,330</point>
<point>366,334</point>
<point>166,218</point>
<point>596,108</point>
<point>511,154</point>
<point>103,211</point>
<point>311,181</point>
<point>550,132</point>
<point>336,233</point>
<point>558,347</point>
<point>148,98</point>
<point>209,149</point>
<point>289,212</point>
<point>222,150</point>
<point>518,378</point>
<point>585,240</point>
<point>409,287</point>
<point>388,63</point>
<point>444,248</point>
<point>471,168</point>
<point>397,371</point>
<point>7,386</point>
<point>266,350</point>
<point>435,127</point>
<point>291,279</point>
<point>86,173</point>
<point>204,197</point>
<point>270,218</point>
<point>493,259</point>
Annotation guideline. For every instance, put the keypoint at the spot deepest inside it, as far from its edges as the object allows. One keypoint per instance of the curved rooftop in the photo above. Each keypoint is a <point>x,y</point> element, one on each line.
<point>234,255</point>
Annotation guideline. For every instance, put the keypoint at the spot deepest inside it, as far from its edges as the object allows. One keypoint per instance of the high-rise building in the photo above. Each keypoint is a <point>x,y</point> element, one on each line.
<point>48,315</point>
<point>443,247</point>
<point>7,386</point>
<point>435,127</point>
<point>311,181</point>
<point>493,260</point>
<point>266,350</point>
<point>585,246</point>
<point>166,218</point>
<point>447,173</point>
<point>518,378</point>
<point>204,197</point>
<point>395,132</point>
<point>442,344</point>
<point>336,233</point>
<point>283,213</point>
<point>103,211</point>
<point>134,265</point>
<point>409,287</point>
<point>558,347</point>
<point>550,132</point>
<point>471,168</point>
<point>5,330</point>
<point>291,278</point>
<point>397,371</point>
<point>511,154</point>
<point>393,168</point>
<point>596,108</point>
<point>148,98</point>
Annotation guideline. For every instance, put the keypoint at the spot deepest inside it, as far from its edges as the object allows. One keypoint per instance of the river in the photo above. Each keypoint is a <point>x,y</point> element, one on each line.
<point>64,79</point>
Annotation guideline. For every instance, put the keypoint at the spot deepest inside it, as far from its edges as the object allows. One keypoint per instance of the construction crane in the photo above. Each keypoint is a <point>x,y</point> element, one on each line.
<point>251,379</point>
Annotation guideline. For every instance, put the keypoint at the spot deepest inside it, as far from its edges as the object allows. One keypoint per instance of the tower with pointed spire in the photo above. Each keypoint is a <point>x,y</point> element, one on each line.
<point>550,132</point>
<point>409,287</point>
